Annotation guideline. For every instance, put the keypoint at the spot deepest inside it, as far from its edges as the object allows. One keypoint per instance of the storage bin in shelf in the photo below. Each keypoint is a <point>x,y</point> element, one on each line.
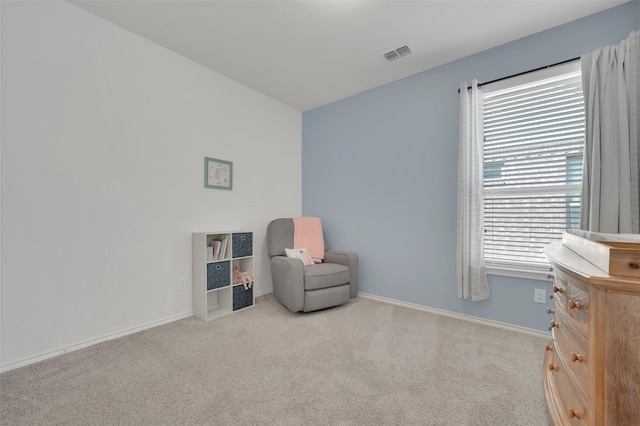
<point>242,243</point>
<point>218,275</point>
<point>242,298</point>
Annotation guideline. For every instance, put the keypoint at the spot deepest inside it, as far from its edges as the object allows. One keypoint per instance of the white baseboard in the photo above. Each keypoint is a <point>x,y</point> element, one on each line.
<point>456,315</point>
<point>90,342</point>
<point>263,292</point>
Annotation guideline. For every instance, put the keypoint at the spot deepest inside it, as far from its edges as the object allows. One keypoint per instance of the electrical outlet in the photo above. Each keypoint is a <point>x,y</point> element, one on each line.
<point>540,295</point>
<point>182,284</point>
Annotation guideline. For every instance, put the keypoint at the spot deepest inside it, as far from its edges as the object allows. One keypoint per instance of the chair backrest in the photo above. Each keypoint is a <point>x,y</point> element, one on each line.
<point>279,236</point>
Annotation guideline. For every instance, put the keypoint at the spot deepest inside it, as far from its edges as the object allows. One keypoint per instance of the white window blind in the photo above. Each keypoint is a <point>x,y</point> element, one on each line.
<point>533,147</point>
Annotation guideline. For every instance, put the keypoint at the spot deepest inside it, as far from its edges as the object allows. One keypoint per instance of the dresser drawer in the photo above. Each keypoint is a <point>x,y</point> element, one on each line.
<point>572,403</point>
<point>560,284</point>
<point>573,298</point>
<point>571,347</point>
<point>578,303</point>
<point>562,320</point>
<point>566,324</point>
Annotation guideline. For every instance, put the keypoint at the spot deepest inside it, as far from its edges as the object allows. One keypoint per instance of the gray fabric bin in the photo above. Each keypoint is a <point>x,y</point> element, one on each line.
<point>242,244</point>
<point>218,275</point>
<point>242,298</point>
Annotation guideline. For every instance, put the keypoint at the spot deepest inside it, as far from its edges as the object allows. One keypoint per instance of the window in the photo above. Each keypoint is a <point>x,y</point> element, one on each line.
<point>533,148</point>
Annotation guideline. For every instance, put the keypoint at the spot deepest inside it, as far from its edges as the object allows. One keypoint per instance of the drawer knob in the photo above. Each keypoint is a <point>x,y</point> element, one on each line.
<point>550,276</point>
<point>574,305</point>
<point>554,324</point>
<point>549,347</point>
<point>550,311</point>
<point>574,414</point>
<point>557,289</point>
<point>553,367</point>
<point>575,357</point>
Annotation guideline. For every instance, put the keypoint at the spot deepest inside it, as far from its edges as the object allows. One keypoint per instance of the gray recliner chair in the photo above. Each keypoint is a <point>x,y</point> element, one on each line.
<point>313,287</point>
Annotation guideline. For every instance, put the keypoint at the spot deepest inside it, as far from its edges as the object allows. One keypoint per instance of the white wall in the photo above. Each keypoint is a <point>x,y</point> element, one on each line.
<point>104,136</point>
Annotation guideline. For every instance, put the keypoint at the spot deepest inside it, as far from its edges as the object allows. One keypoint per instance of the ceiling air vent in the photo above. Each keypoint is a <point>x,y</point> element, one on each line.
<point>397,53</point>
<point>391,56</point>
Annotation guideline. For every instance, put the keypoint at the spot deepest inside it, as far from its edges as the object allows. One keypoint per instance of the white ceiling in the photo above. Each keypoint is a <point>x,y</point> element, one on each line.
<point>310,53</point>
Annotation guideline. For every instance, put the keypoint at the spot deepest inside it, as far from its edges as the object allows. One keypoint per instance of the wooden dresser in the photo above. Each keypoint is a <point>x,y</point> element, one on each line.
<point>592,365</point>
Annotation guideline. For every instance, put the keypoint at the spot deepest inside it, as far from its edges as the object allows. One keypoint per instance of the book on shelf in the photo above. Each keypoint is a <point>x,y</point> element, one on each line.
<point>217,244</point>
<point>223,248</point>
<point>217,248</point>
<point>213,250</point>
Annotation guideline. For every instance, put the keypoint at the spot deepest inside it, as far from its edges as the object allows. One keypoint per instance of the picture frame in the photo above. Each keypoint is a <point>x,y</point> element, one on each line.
<point>218,174</point>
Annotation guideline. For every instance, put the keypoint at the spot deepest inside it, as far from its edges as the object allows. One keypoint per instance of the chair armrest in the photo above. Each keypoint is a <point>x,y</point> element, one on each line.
<point>287,275</point>
<point>347,259</point>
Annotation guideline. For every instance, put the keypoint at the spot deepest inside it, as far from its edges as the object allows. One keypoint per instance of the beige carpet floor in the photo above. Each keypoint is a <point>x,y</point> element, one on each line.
<point>364,363</point>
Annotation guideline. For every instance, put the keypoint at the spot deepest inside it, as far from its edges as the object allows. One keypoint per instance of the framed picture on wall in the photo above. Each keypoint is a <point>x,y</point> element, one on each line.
<point>218,173</point>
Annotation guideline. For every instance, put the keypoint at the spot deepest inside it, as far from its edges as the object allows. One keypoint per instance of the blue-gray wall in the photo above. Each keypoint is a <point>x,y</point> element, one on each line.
<point>380,169</point>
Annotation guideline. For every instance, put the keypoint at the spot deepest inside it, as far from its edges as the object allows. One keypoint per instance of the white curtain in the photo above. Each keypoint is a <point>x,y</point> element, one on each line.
<point>471,273</point>
<point>610,182</point>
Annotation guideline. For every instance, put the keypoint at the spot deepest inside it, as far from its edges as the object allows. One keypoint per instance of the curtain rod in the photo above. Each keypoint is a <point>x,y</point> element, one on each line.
<point>524,72</point>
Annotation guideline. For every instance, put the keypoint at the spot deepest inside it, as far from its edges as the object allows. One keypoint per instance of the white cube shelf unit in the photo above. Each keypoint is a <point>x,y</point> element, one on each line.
<point>214,254</point>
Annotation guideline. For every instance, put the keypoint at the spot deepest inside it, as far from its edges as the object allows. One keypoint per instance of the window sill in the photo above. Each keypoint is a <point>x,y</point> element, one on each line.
<point>506,271</point>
